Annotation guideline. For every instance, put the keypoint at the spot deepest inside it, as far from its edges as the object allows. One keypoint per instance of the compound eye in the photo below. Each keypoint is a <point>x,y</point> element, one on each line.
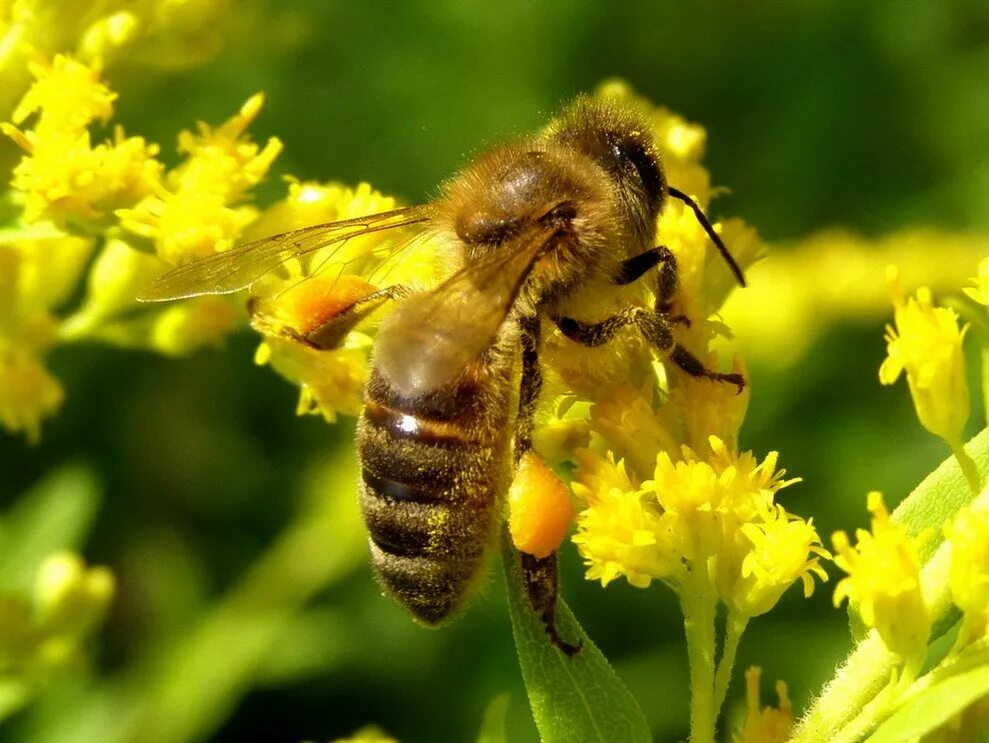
<point>630,151</point>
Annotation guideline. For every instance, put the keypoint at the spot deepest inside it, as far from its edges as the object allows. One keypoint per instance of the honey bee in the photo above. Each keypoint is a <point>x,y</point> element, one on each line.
<point>455,373</point>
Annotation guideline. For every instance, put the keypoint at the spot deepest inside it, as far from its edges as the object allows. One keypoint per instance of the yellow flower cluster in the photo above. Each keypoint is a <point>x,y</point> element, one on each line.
<point>926,343</point>
<point>198,209</point>
<point>113,199</point>
<point>45,633</point>
<point>883,581</point>
<point>968,576</point>
<point>162,33</point>
<point>712,520</point>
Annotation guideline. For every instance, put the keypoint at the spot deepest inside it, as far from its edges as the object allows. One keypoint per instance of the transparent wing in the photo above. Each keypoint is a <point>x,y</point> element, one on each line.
<point>431,337</point>
<point>241,266</point>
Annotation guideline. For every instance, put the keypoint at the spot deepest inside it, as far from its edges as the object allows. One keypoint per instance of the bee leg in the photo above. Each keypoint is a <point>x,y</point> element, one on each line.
<point>656,329</point>
<point>331,333</point>
<point>635,267</point>
<point>541,576</point>
<point>531,383</point>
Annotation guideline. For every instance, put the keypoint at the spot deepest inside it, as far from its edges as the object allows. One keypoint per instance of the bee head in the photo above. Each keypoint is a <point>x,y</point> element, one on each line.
<point>620,142</point>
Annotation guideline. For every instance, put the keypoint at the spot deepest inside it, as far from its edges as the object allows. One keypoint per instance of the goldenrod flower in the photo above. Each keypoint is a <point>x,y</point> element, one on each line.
<point>926,343</point>
<point>968,575</point>
<point>619,534</point>
<point>765,724</point>
<point>62,175</point>
<point>69,597</point>
<point>330,382</point>
<point>884,581</point>
<point>980,292</point>
<point>198,209</point>
<point>28,392</point>
<point>784,548</point>
<point>712,520</point>
<point>68,93</point>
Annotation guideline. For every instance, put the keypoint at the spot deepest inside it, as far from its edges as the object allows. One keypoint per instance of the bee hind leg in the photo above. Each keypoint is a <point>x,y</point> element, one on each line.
<point>329,334</point>
<point>541,577</point>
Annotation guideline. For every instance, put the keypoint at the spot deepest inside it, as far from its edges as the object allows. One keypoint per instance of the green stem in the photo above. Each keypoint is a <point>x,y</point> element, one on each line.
<point>733,633</point>
<point>894,698</point>
<point>968,466</point>
<point>698,605</point>
<point>984,355</point>
<point>867,671</point>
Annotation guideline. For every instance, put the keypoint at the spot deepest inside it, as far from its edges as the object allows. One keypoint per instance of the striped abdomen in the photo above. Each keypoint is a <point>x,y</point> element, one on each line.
<point>433,469</point>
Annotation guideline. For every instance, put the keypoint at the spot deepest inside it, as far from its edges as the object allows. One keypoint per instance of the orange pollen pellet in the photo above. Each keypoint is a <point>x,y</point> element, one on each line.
<point>539,506</point>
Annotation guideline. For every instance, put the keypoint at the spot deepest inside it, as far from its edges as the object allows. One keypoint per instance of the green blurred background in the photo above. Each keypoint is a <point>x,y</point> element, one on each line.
<point>869,115</point>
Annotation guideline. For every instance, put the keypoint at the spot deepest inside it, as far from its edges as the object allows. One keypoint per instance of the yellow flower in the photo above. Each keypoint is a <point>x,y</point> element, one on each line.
<point>969,572</point>
<point>68,94</point>
<point>62,175</point>
<point>884,581</point>
<point>980,293</point>
<point>70,598</point>
<point>28,393</point>
<point>330,382</point>
<point>765,724</point>
<point>185,327</point>
<point>197,211</point>
<point>223,161</point>
<point>619,534</point>
<point>782,549</point>
<point>927,344</point>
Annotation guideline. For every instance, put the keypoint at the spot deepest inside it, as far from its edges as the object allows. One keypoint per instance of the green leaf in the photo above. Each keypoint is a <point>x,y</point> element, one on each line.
<point>939,496</point>
<point>933,707</point>
<point>493,724</point>
<point>56,514</point>
<point>572,699</point>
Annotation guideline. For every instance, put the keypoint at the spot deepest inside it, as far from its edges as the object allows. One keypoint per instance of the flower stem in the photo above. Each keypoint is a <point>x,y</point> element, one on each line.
<point>698,621</point>
<point>968,466</point>
<point>735,626</point>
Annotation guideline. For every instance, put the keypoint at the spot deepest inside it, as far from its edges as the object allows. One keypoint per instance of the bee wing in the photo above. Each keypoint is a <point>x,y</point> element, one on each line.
<point>431,337</point>
<point>241,266</point>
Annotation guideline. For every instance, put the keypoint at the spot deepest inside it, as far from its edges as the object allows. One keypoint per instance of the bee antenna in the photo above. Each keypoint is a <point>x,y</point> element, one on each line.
<point>735,269</point>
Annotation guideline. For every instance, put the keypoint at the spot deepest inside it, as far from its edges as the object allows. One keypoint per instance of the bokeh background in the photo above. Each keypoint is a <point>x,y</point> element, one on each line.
<point>246,608</point>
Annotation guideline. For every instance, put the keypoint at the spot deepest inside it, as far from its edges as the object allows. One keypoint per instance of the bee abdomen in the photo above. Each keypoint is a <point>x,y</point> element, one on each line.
<point>429,492</point>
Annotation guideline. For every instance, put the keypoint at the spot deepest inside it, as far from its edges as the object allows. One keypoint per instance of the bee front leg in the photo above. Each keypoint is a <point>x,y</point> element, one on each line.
<point>656,329</point>
<point>637,266</point>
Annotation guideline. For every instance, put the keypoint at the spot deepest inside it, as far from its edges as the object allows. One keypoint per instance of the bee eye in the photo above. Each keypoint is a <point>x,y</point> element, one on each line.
<point>630,151</point>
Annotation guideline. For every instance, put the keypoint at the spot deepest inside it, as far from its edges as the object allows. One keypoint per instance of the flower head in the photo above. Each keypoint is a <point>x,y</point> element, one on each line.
<point>765,724</point>
<point>980,292</point>
<point>926,343</point>
<point>968,575</point>
<point>883,581</point>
